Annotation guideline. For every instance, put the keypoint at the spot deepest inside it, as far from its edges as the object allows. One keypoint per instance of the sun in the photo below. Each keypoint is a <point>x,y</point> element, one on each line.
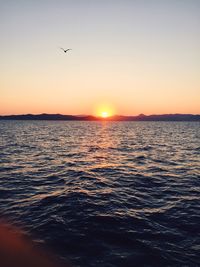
<point>104,114</point>
<point>104,110</point>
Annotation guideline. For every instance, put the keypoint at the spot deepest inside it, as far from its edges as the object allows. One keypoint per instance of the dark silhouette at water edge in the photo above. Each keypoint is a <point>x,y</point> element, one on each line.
<point>141,117</point>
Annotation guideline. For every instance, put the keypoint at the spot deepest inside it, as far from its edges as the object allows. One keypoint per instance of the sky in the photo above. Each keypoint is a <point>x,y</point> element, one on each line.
<point>128,56</point>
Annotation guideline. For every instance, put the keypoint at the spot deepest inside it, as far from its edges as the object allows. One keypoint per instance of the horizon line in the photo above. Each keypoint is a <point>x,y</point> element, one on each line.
<point>96,116</point>
<point>141,117</point>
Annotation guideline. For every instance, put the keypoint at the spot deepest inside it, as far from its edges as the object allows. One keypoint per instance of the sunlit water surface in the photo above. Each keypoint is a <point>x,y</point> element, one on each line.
<point>105,193</point>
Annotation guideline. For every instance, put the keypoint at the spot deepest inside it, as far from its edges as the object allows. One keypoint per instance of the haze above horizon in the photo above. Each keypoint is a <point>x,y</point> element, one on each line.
<point>127,57</point>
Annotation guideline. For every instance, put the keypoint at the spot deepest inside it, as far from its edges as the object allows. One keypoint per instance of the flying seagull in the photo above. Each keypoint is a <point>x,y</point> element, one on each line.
<point>65,50</point>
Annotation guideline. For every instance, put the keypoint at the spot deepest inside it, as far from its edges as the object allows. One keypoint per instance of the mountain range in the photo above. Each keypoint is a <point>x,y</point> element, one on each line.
<point>141,117</point>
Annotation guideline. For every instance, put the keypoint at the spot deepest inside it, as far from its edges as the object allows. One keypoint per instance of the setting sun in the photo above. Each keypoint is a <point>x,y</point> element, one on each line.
<point>104,114</point>
<point>104,110</point>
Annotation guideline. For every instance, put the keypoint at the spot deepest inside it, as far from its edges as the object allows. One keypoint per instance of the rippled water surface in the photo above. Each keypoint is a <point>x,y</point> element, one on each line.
<point>105,193</point>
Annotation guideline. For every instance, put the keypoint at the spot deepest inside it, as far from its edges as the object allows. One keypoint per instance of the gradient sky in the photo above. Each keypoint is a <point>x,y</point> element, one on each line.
<point>136,56</point>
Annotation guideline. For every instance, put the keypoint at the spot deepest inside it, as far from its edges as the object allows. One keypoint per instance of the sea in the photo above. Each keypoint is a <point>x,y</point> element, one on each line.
<point>105,194</point>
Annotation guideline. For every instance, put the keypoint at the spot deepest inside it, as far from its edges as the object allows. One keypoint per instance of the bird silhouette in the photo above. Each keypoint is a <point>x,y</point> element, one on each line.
<point>65,50</point>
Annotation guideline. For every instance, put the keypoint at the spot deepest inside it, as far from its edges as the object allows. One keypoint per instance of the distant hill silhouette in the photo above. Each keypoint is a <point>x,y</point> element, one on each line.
<point>141,117</point>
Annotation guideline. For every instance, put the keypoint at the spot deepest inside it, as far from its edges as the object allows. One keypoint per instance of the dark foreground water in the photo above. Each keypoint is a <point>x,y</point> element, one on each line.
<point>105,194</point>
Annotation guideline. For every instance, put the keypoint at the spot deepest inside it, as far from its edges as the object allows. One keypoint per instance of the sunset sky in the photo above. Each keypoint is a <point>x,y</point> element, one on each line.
<point>130,56</point>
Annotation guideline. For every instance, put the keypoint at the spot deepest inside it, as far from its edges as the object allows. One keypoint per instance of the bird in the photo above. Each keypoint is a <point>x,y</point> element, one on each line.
<point>65,50</point>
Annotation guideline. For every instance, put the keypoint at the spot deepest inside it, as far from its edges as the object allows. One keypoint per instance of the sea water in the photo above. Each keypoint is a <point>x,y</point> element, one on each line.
<point>105,193</point>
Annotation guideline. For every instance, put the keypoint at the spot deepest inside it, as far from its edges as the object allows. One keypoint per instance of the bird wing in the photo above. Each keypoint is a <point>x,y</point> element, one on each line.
<point>62,48</point>
<point>68,49</point>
